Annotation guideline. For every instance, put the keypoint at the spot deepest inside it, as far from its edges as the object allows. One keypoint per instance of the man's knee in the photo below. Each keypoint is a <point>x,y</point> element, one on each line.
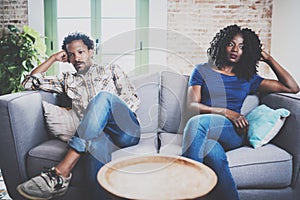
<point>103,95</point>
<point>127,140</point>
<point>102,99</point>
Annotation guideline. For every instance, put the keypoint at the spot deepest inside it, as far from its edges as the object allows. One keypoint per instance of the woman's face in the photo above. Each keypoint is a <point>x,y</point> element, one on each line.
<point>234,49</point>
<point>80,56</point>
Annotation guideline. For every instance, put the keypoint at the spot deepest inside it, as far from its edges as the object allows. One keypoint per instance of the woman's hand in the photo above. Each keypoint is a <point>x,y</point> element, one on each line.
<point>264,56</point>
<point>284,83</point>
<point>238,120</point>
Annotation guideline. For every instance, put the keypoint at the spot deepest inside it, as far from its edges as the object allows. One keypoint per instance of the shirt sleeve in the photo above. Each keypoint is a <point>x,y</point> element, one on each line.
<point>196,77</point>
<point>124,88</point>
<point>255,82</point>
<point>41,82</point>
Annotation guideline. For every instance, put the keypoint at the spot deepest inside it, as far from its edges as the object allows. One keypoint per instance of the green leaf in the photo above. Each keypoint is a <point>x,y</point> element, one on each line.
<point>30,31</point>
<point>13,28</point>
<point>12,68</point>
<point>19,53</point>
<point>38,41</point>
<point>24,64</point>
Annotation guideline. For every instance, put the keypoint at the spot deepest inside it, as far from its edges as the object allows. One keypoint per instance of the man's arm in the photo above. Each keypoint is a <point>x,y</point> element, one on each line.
<point>38,81</point>
<point>60,56</point>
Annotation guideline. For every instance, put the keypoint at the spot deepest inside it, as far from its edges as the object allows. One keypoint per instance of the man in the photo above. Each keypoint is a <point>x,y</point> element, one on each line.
<point>104,101</point>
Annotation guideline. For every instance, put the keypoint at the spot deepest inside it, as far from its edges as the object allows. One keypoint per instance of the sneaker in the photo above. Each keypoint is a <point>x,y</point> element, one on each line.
<point>45,186</point>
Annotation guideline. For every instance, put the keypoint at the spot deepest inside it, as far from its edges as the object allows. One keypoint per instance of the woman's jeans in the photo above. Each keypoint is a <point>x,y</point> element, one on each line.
<point>206,139</point>
<point>108,125</point>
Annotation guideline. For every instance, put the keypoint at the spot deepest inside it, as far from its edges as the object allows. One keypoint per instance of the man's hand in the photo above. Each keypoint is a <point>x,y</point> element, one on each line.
<point>61,56</point>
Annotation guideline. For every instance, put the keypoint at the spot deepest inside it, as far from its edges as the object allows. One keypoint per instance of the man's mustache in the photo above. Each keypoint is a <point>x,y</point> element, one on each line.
<point>77,63</point>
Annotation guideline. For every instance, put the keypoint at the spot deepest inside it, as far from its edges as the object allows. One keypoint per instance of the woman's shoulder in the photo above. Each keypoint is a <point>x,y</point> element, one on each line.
<point>256,78</point>
<point>203,68</point>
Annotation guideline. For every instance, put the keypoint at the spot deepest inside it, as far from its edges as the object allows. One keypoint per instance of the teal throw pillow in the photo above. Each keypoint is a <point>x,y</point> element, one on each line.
<point>264,124</point>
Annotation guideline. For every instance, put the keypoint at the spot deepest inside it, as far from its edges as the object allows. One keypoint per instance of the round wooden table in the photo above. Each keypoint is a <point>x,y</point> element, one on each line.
<point>156,177</point>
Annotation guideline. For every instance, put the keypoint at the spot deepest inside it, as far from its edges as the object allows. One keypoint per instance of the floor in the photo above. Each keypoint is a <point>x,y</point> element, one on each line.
<point>3,193</point>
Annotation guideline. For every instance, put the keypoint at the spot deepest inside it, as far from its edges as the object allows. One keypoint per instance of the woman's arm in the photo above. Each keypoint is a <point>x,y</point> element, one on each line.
<point>285,82</point>
<point>194,104</point>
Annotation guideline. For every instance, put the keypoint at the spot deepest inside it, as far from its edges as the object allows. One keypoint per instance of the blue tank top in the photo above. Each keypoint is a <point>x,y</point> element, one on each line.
<point>220,90</point>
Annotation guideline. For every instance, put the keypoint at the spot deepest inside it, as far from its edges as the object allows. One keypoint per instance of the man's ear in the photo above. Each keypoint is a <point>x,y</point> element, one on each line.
<point>91,52</point>
<point>67,54</point>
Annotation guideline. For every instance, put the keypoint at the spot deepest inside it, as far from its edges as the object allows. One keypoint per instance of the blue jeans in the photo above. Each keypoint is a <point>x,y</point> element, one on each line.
<point>206,139</point>
<point>108,125</point>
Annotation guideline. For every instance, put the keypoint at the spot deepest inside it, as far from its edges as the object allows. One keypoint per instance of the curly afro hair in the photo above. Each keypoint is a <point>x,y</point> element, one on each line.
<point>77,36</point>
<point>247,65</point>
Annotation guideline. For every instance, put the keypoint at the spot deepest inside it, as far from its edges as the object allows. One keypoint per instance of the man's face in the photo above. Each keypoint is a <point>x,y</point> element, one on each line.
<point>80,56</point>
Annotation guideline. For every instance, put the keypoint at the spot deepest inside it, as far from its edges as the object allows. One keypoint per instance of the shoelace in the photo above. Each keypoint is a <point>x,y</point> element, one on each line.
<point>56,181</point>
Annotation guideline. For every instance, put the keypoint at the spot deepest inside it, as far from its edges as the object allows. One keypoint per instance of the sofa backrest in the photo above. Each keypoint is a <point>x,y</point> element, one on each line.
<point>163,102</point>
<point>148,90</point>
<point>250,102</point>
<point>173,114</point>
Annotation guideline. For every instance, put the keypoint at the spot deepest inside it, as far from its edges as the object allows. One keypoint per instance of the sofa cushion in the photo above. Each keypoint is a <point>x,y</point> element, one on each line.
<point>170,138</point>
<point>146,146</point>
<point>172,102</point>
<point>265,167</point>
<point>148,90</point>
<point>170,143</point>
<point>61,122</point>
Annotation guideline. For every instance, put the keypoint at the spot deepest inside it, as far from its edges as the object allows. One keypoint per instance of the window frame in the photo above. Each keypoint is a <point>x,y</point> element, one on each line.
<point>141,21</point>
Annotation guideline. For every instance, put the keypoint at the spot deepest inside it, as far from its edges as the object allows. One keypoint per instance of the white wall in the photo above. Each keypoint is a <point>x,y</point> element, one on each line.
<point>158,34</point>
<point>285,29</point>
<point>286,35</point>
<point>36,15</point>
<point>157,21</point>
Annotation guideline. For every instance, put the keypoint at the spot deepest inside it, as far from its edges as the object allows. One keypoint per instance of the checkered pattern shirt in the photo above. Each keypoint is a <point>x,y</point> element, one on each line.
<point>81,88</point>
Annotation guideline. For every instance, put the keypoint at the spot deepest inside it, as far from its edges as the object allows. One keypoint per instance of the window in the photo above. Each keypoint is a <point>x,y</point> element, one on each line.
<point>111,24</point>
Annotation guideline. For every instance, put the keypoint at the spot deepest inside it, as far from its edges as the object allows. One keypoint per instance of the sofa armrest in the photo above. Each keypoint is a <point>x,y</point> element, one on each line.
<point>22,127</point>
<point>289,136</point>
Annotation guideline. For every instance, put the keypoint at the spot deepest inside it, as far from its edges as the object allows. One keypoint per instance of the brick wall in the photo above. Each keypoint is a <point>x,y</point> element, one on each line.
<point>193,24</point>
<point>197,21</point>
<point>13,12</point>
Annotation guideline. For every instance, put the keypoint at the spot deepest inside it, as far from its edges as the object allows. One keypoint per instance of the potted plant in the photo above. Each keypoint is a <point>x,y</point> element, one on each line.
<point>20,52</point>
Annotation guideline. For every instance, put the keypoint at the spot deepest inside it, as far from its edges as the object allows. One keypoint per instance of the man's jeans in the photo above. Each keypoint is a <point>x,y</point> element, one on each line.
<point>206,138</point>
<point>108,125</point>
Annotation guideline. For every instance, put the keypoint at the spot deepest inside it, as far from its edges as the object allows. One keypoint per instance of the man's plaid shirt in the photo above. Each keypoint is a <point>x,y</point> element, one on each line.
<point>81,88</point>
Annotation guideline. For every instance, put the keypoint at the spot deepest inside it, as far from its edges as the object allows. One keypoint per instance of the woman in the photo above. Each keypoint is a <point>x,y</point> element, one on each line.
<point>217,90</point>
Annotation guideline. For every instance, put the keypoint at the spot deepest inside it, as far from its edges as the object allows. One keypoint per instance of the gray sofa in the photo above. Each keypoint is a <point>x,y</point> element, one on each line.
<point>269,172</point>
